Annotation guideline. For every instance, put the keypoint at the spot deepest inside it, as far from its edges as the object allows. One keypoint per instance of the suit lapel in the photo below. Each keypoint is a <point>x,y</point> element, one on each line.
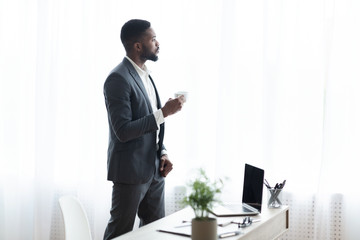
<point>138,81</point>
<point>162,126</point>
<point>156,93</point>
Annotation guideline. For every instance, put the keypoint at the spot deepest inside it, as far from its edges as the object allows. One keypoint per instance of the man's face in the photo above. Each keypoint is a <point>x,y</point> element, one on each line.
<point>150,46</point>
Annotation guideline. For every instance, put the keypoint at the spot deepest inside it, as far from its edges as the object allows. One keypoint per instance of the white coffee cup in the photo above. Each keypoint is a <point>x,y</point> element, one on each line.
<point>182,93</point>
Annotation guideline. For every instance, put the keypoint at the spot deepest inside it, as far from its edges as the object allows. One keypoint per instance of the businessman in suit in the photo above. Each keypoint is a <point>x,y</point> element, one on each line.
<point>137,159</point>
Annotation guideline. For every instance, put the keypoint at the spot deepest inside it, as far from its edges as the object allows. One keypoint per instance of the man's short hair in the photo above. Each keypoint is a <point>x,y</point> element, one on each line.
<point>132,31</point>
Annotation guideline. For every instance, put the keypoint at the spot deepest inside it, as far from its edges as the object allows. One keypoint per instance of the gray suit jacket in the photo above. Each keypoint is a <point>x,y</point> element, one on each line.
<point>132,127</point>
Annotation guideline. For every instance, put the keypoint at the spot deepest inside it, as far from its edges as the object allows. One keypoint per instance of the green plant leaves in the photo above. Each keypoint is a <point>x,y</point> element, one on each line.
<point>203,195</point>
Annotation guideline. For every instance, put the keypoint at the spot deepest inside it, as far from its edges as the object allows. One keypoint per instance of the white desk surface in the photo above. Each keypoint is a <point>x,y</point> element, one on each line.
<point>274,222</point>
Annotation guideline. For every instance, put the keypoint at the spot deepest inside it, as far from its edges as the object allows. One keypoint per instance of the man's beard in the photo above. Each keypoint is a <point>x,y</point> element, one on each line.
<point>152,57</point>
<point>149,55</point>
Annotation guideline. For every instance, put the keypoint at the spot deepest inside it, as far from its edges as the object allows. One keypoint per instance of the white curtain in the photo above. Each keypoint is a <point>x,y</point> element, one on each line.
<point>271,83</point>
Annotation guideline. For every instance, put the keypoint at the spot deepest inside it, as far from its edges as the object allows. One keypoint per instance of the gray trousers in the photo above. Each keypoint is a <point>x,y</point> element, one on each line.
<point>147,200</point>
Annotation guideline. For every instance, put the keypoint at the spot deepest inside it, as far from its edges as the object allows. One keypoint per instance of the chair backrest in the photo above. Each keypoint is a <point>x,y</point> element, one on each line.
<point>75,220</point>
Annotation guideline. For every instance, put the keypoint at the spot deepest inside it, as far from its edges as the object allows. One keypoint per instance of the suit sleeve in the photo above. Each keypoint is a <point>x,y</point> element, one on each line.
<point>128,115</point>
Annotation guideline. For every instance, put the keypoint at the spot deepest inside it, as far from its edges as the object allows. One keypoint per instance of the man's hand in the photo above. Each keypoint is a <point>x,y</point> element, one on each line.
<point>165,165</point>
<point>172,106</point>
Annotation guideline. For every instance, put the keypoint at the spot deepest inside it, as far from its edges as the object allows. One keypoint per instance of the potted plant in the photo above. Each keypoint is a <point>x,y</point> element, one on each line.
<point>201,199</point>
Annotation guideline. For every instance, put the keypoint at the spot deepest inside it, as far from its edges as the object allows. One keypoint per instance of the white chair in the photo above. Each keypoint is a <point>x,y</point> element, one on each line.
<point>75,220</point>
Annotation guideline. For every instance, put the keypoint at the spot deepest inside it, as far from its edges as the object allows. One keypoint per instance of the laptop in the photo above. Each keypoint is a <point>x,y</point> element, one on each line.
<point>251,198</point>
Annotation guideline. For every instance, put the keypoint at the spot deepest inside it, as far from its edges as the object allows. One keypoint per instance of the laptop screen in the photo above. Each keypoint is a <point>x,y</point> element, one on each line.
<point>253,186</point>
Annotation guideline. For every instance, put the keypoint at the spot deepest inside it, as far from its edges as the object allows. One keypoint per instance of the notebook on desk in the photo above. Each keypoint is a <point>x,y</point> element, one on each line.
<point>251,198</point>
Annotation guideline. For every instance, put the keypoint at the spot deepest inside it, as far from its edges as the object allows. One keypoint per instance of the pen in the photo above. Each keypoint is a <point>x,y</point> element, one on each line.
<point>229,234</point>
<point>175,233</point>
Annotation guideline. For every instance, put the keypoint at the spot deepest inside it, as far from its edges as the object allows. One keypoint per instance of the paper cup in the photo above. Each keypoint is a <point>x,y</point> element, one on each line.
<point>182,93</point>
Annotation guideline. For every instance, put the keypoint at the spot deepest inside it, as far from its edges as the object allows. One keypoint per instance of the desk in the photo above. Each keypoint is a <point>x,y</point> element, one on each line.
<point>274,222</point>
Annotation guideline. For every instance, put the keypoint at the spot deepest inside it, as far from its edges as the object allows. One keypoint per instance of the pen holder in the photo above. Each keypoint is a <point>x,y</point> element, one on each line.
<point>274,198</point>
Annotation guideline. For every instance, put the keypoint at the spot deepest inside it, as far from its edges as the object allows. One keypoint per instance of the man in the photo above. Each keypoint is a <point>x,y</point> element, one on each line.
<point>137,160</point>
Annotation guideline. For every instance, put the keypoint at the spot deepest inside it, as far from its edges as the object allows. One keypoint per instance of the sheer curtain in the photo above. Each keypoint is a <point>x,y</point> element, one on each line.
<point>271,83</point>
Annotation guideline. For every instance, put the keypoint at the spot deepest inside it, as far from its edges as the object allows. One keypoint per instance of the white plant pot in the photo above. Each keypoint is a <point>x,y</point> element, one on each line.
<point>204,229</point>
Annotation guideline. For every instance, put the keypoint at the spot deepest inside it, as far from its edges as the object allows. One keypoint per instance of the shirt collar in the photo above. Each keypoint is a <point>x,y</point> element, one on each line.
<point>140,71</point>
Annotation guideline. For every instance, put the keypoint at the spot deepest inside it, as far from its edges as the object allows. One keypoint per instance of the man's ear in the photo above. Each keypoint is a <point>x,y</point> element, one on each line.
<point>137,46</point>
